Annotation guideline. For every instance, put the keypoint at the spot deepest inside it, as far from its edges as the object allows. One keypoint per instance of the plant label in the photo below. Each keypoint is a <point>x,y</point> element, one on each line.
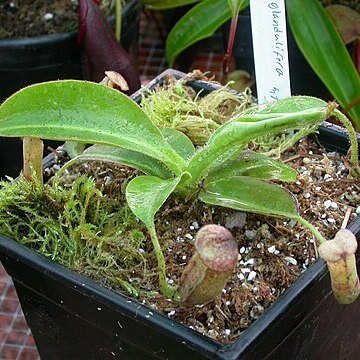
<point>270,49</point>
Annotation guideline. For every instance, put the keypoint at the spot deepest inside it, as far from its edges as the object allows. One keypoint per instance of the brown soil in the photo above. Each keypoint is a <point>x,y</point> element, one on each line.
<point>273,252</point>
<point>28,18</point>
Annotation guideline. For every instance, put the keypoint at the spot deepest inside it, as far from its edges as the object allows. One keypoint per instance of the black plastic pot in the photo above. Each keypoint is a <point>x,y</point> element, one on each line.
<point>303,79</point>
<point>26,61</point>
<point>72,317</point>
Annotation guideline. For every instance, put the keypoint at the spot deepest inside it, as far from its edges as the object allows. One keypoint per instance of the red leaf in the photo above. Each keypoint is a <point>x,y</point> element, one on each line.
<point>102,51</point>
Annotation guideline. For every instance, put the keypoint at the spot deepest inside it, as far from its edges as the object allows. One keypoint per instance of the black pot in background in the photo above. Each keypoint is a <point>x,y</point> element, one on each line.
<point>303,79</point>
<point>72,317</point>
<point>26,61</point>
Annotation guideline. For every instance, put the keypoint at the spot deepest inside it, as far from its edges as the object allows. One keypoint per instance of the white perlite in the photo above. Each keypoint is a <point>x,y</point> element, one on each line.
<point>171,313</point>
<point>251,276</point>
<point>273,250</point>
<point>48,16</point>
<point>330,204</point>
<point>290,260</point>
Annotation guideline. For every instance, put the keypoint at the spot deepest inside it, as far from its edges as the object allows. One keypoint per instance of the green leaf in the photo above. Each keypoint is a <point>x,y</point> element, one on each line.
<point>323,48</point>
<point>146,194</point>
<point>179,142</point>
<point>288,105</point>
<point>167,4</point>
<point>255,165</point>
<point>84,112</point>
<point>252,195</point>
<point>198,23</point>
<point>234,135</point>
<point>127,157</point>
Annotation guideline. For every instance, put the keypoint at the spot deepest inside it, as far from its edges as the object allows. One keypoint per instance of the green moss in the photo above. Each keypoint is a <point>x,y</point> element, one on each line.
<point>179,107</point>
<point>78,227</point>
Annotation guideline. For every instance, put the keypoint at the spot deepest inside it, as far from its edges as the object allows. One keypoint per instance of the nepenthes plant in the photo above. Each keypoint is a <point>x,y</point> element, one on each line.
<point>222,172</point>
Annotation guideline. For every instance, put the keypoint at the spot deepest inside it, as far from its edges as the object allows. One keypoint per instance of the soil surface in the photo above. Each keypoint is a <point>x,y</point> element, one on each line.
<point>28,18</point>
<point>273,253</point>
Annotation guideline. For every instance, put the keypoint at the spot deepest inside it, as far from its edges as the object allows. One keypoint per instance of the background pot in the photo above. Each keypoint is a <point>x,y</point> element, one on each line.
<point>303,79</point>
<point>26,61</point>
<point>72,316</point>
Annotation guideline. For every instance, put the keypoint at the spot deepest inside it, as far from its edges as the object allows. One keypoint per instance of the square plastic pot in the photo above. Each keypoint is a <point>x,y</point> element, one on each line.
<point>72,317</point>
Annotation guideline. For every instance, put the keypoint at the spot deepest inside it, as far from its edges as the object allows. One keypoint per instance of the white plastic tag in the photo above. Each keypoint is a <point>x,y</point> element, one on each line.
<point>270,49</point>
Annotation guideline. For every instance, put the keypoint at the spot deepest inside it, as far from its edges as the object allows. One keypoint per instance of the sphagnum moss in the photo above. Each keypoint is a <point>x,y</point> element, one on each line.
<point>78,227</point>
<point>178,106</point>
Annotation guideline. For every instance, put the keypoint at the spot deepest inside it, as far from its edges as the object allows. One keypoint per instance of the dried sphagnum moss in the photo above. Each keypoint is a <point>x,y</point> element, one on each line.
<point>178,106</point>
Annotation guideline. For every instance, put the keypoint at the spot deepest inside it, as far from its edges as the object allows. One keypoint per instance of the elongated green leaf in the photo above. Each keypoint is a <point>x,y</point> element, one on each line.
<point>131,158</point>
<point>234,135</point>
<point>254,165</point>
<point>198,23</point>
<point>252,195</point>
<point>146,194</point>
<point>84,112</point>
<point>323,48</point>
<point>179,142</point>
<point>167,4</point>
<point>288,105</point>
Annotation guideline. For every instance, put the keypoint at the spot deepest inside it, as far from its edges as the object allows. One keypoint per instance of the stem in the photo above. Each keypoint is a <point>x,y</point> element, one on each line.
<point>351,104</point>
<point>58,175</point>
<point>230,45</point>
<point>291,140</point>
<point>232,34</point>
<point>118,11</point>
<point>357,55</point>
<point>310,227</point>
<point>168,290</point>
<point>32,156</point>
<point>354,159</point>
<point>84,209</point>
